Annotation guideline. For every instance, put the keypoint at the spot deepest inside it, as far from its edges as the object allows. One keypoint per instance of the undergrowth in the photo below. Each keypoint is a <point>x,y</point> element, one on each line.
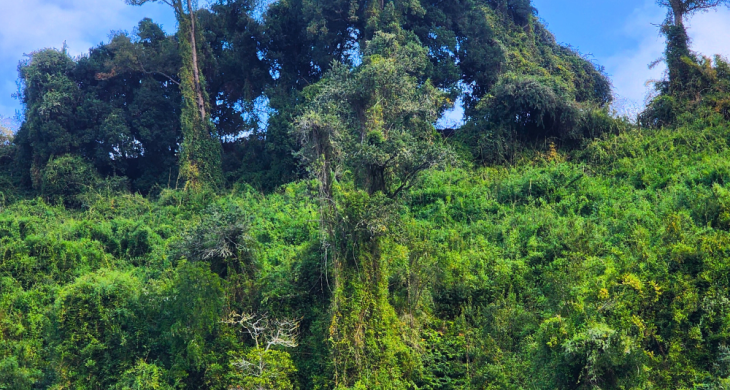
<point>604,268</point>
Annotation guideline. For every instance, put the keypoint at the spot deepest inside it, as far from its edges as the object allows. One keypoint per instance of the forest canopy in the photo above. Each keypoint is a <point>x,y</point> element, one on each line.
<point>266,200</point>
<point>122,107</point>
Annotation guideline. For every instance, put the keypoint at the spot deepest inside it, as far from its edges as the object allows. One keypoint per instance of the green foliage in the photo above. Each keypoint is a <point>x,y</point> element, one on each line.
<point>156,108</point>
<point>95,316</point>
<point>223,240</point>
<point>704,91</point>
<point>65,178</point>
<point>376,120</point>
<point>50,97</point>
<point>108,107</point>
<point>596,259</point>
<point>526,110</point>
<point>200,150</point>
<point>12,376</point>
<point>444,359</point>
<point>143,376</point>
<point>694,84</point>
<point>276,376</point>
<point>606,270</point>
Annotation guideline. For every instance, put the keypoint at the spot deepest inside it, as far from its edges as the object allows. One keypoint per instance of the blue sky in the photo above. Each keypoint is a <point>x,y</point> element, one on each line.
<point>618,34</point>
<point>622,36</point>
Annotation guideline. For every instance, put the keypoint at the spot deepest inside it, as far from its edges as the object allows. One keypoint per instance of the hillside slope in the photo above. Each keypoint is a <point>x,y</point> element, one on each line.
<point>607,268</point>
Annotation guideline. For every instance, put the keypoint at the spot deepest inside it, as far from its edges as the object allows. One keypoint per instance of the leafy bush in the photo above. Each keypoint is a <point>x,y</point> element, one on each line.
<point>526,112</point>
<point>96,325</point>
<point>704,91</point>
<point>65,178</point>
<point>143,376</point>
<point>222,239</point>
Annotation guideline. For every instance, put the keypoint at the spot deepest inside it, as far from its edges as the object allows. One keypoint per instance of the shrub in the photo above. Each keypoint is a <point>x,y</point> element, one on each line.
<point>65,178</point>
<point>95,324</point>
<point>143,376</point>
<point>222,239</point>
<point>529,111</point>
<point>702,90</point>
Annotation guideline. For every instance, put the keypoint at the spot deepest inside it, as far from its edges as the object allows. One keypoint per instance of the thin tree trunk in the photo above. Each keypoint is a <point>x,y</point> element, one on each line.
<point>678,19</point>
<point>678,13</point>
<point>196,71</point>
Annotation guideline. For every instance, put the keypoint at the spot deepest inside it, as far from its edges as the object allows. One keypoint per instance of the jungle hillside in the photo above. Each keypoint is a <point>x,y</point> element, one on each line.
<point>265,200</point>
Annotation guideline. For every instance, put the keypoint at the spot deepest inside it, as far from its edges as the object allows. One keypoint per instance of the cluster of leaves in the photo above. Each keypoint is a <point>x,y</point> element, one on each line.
<point>581,274</point>
<point>123,295</point>
<point>122,124</point>
<point>704,92</point>
<point>523,112</point>
<point>375,121</point>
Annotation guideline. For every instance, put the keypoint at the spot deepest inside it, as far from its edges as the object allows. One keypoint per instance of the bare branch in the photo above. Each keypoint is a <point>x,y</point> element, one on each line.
<point>266,332</point>
<point>679,9</point>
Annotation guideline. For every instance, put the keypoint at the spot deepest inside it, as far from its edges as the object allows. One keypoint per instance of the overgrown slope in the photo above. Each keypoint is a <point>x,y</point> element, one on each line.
<point>604,268</point>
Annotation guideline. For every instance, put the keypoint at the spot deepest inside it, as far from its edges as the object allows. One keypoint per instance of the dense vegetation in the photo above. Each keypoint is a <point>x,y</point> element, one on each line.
<point>153,240</point>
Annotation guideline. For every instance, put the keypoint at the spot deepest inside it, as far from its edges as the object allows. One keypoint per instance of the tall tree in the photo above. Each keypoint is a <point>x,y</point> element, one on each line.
<point>137,75</point>
<point>677,38</point>
<point>375,124</point>
<point>117,108</point>
<point>200,163</point>
<point>51,98</point>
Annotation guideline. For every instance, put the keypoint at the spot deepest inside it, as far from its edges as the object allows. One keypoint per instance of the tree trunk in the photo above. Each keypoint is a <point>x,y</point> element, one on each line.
<point>678,19</point>
<point>200,100</point>
<point>678,13</point>
<point>376,179</point>
<point>677,47</point>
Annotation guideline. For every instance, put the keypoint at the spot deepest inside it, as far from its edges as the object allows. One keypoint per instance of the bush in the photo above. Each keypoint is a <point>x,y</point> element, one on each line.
<point>272,370</point>
<point>222,239</point>
<point>15,377</point>
<point>703,90</point>
<point>143,376</point>
<point>529,111</point>
<point>95,325</point>
<point>662,111</point>
<point>67,177</point>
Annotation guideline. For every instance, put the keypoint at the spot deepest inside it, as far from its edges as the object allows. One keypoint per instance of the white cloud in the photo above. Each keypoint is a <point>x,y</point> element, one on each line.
<point>629,69</point>
<point>710,33</point>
